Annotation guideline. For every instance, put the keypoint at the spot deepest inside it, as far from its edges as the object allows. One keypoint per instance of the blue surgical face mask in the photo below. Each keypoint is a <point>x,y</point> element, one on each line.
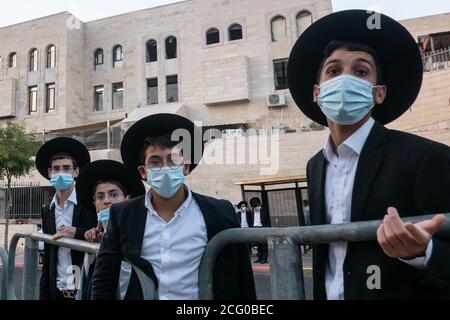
<point>346,99</point>
<point>103,217</point>
<point>61,181</point>
<point>165,181</point>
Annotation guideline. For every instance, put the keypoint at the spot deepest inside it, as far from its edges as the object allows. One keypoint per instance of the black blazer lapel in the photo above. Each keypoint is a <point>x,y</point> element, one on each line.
<point>370,160</point>
<point>76,215</point>
<point>317,179</point>
<point>136,229</point>
<point>51,220</point>
<point>212,220</point>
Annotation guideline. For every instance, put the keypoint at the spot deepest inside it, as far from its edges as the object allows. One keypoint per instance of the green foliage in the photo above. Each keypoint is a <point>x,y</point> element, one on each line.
<point>16,151</point>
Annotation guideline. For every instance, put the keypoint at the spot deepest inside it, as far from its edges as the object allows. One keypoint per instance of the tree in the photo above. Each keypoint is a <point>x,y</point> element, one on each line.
<point>16,151</point>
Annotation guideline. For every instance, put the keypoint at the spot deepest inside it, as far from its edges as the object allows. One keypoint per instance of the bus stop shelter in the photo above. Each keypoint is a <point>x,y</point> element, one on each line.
<point>285,198</point>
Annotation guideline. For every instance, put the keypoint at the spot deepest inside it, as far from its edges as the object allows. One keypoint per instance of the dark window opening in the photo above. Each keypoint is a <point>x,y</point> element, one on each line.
<point>98,98</point>
<point>235,32</point>
<point>117,95</point>
<point>212,36</point>
<point>117,57</point>
<point>50,97</point>
<point>280,74</point>
<point>32,99</point>
<point>172,88</point>
<point>98,59</point>
<point>152,91</point>
<point>152,54</point>
<point>171,48</point>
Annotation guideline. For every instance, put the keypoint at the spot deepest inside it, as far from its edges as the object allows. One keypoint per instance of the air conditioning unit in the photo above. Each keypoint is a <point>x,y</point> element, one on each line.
<point>276,100</point>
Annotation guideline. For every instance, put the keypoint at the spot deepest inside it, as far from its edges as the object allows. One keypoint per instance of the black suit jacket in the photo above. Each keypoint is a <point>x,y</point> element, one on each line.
<point>249,216</point>
<point>394,169</point>
<point>233,276</point>
<point>83,220</point>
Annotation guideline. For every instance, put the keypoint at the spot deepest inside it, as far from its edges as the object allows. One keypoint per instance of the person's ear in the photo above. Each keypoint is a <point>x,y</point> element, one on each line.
<point>186,169</point>
<point>380,94</point>
<point>316,92</point>
<point>143,172</point>
<point>76,172</point>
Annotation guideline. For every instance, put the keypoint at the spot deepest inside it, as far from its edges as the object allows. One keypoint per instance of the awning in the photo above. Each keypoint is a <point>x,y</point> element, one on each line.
<point>142,112</point>
<point>272,181</point>
<point>97,125</point>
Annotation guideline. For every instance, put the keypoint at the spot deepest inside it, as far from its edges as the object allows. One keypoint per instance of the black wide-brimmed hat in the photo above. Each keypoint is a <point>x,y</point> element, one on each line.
<point>161,123</point>
<point>241,203</point>
<point>106,170</point>
<point>393,45</point>
<point>72,147</point>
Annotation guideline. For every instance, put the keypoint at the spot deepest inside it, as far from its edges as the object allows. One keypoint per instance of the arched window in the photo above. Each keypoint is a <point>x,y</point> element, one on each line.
<point>235,32</point>
<point>152,50</point>
<point>117,56</point>
<point>278,26</point>
<point>171,47</point>
<point>12,60</point>
<point>212,36</point>
<point>304,20</point>
<point>51,56</point>
<point>33,60</point>
<point>98,59</point>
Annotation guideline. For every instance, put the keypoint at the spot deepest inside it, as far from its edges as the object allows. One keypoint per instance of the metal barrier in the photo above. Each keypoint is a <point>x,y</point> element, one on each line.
<point>4,257</point>
<point>30,271</point>
<point>284,253</point>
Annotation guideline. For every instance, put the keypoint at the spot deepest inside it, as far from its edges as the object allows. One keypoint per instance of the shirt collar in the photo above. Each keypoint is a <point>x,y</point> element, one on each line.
<point>355,142</point>
<point>180,211</point>
<point>72,198</point>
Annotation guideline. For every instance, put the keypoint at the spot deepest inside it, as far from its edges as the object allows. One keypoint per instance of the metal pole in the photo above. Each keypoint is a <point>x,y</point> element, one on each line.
<point>286,273</point>
<point>4,257</point>
<point>30,270</point>
<point>108,133</point>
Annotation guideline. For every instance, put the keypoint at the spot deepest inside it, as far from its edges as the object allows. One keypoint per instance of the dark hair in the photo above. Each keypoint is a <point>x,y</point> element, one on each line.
<point>125,192</point>
<point>254,202</point>
<point>60,156</point>
<point>39,225</point>
<point>161,140</point>
<point>350,46</point>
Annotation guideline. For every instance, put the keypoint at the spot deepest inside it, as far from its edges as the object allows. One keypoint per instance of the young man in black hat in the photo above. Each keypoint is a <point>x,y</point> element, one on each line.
<point>99,185</point>
<point>353,78</point>
<point>59,160</point>
<point>165,232</point>
<point>260,220</point>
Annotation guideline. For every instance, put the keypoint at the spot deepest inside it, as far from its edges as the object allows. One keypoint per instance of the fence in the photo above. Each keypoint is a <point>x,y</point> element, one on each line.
<point>30,270</point>
<point>284,255</point>
<point>436,60</point>
<point>27,200</point>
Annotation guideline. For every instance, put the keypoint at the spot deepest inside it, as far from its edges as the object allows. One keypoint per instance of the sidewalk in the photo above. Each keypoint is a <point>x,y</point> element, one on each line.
<point>263,268</point>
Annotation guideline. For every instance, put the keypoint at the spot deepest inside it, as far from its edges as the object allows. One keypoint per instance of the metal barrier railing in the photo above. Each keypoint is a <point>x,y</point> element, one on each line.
<point>285,258</point>
<point>4,257</point>
<point>30,269</point>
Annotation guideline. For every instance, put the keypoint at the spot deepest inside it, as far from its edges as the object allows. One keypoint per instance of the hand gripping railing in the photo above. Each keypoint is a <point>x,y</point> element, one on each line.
<point>284,255</point>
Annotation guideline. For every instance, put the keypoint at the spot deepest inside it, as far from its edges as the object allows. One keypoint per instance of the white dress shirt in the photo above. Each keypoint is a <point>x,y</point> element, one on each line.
<point>257,217</point>
<point>340,176</point>
<point>175,248</point>
<point>63,216</point>
<point>244,222</point>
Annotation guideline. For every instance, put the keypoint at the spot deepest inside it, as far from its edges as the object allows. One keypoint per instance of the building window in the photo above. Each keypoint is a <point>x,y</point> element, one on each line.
<point>51,56</point>
<point>32,99</point>
<point>172,88</point>
<point>171,48</point>
<point>152,52</point>
<point>50,97</point>
<point>280,74</point>
<point>152,91</point>
<point>212,36</point>
<point>98,59</point>
<point>304,20</point>
<point>278,26</point>
<point>117,56</point>
<point>33,60</point>
<point>235,32</point>
<point>98,98</point>
<point>117,95</point>
<point>12,61</point>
